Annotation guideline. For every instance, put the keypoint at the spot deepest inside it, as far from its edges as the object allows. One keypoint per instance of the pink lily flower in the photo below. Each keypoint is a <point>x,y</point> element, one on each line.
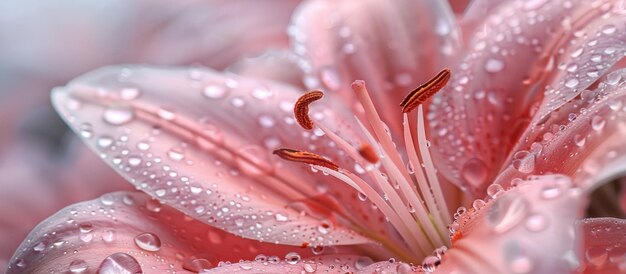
<point>530,121</point>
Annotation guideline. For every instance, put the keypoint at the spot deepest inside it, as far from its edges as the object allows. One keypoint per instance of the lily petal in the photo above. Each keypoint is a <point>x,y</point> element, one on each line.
<point>488,103</point>
<point>133,226</point>
<point>276,65</point>
<point>393,46</point>
<point>321,264</point>
<point>501,236</point>
<point>605,245</point>
<point>585,137</point>
<point>201,142</point>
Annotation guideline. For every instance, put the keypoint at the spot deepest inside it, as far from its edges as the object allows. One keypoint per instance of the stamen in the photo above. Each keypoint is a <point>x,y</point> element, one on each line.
<point>301,108</point>
<point>305,157</point>
<point>425,91</point>
<point>368,153</point>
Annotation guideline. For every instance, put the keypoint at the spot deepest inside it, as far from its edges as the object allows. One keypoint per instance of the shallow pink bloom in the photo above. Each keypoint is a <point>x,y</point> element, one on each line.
<point>531,121</point>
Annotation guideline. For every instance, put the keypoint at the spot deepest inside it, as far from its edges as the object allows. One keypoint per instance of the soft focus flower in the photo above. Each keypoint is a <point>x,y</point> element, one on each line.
<point>530,122</point>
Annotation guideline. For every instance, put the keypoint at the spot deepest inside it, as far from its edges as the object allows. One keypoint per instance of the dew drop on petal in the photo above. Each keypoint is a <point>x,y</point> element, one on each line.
<point>129,93</point>
<point>363,262</point>
<point>104,141</point>
<point>571,83</point>
<point>474,172</point>
<point>118,115</point>
<point>494,65</point>
<point>310,267</point>
<point>214,91</point>
<point>292,258</point>
<point>78,266</point>
<point>39,247</point>
<point>597,123</point>
<point>176,154</point>
<point>536,222</point>
<point>506,212</point>
<point>119,263</point>
<point>494,190</point>
<point>166,113</point>
<point>148,241</point>
<point>108,236</point>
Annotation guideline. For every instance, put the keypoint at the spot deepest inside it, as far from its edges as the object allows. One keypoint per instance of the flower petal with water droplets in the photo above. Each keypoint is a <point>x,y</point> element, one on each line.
<point>527,229</point>
<point>490,99</point>
<point>604,243</point>
<point>131,228</point>
<point>201,142</point>
<point>320,264</point>
<point>585,137</point>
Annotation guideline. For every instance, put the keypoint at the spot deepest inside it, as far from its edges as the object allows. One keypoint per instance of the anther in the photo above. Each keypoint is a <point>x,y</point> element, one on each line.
<point>301,108</point>
<point>305,157</point>
<point>368,153</point>
<point>425,91</point>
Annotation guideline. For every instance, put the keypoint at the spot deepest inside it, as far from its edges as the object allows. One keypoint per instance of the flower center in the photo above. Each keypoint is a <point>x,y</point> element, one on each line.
<point>407,192</point>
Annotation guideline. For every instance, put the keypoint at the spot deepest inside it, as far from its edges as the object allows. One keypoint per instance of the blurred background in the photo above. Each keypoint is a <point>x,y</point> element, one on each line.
<point>43,44</point>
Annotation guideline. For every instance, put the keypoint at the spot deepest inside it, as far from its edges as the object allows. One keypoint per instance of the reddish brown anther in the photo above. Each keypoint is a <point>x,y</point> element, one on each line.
<point>368,153</point>
<point>425,91</point>
<point>305,157</point>
<point>301,108</point>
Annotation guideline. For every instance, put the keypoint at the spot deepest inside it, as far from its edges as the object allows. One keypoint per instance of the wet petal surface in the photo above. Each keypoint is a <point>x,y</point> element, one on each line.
<point>604,245</point>
<point>132,231</point>
<point>502,235</point>
<point>201,142</point>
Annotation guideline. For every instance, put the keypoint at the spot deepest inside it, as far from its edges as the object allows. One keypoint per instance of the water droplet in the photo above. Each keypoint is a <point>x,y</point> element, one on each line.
<point>576,53</point>
<point>118,115</point>
<point>280,217</point>
<point>597,255</point>
<point>597,122</point>
<point>474,172</point>
<point>571,83</point>
<point>266,121</point>
<point>310,267</point>
<point>166,113</point>
<point>105,141</point>
<point>148,241</point>
<point>119,263</point>
<point>237,102</point>
<point>129,93</point>
<point>363,262</point>
<point>580,140</point>
<point>214,91</point>
<point>78,266</point>
<point>176,154</point>
<point>108,236</point>
<point>199,264</point>
<point>506,212</point>
<point>430,263</point>
<point>494,65</point>
<point>495,190</point>
<point>478,204</point>
<point>86,130</point>
<point>39,247</point>
<point>292,258</point>
<point>262,93</point>
<point>526,164</point>
<point>153,206</point>
<point>609,29</point>
<point>134,161</point>
<point>536,222</point>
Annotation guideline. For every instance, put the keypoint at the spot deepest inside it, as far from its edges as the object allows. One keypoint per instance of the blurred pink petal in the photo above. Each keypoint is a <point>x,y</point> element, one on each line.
<point>391,45</point>
<point>157,236</point>
<point>604,245</point>
<point>274,65</point>
<point>206,149</point>
<point>503,77</point>
<point>527,229</point>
